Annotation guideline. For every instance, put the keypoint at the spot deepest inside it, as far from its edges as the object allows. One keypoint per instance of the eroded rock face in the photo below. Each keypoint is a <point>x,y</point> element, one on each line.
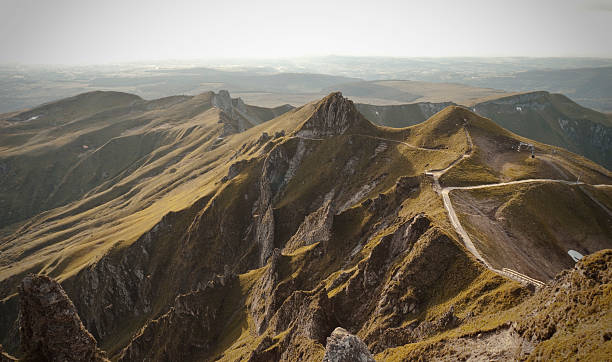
<point>50,327</point>
<point>315,228</point>
<point>187,330</point>
<point>333,116</point>
<point>5,357</point>
<point>235,116</point>
<point>345,347</point>
<point>267,296</point>
<point>576,296</point>
<point>279,168</point>
<point>114,289</point>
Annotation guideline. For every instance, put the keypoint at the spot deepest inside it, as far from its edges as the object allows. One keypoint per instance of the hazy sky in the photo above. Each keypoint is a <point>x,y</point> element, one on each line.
<point>94,31</point>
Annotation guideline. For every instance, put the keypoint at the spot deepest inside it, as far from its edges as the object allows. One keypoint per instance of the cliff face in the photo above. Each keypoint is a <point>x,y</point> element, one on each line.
<point>594,139</point>
<point>49,325</point>
<point>333,116</point>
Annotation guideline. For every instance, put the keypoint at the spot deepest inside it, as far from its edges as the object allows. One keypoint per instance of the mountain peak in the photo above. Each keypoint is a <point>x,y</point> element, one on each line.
<point>333,115</point>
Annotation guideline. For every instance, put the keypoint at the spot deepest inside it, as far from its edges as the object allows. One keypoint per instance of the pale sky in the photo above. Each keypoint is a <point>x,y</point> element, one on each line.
<point>106,31</point>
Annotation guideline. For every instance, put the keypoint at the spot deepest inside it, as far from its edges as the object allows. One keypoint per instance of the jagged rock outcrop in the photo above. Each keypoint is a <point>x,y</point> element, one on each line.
<point>114,289</point>
<point>5,357</point>
<point>235,169</point>
<point>573,307</point>
<point>345,347</point>
<point>188,329</point>
<point>267,296</point>
<point>315,228</point>
<point>304,319</point>
<point>235,116</point>
<point>279,168</point>
<point>50,327</point>
<point>333,116</point>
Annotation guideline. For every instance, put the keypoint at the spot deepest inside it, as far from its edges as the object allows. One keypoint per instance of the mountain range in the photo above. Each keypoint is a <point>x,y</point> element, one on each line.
<point>203,228</point>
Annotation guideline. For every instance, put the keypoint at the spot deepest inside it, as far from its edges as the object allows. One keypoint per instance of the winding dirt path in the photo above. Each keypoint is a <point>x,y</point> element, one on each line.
<point>452,215</point>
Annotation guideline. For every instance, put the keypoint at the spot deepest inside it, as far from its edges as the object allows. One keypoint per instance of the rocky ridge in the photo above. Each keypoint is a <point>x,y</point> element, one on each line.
<point>50,326</point>
<point>333,116</point>
<point>266,266</point>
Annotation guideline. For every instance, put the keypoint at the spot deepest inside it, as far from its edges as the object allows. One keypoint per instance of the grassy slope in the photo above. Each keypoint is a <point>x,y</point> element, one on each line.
<point>530,227</point>
<point>540,120</point>
<point>495,159</point>
<point>119,210</point>
<point>64,240</point>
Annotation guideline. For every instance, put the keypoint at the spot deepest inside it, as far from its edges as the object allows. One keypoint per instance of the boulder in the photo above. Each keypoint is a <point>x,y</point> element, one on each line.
<point>345,347</point>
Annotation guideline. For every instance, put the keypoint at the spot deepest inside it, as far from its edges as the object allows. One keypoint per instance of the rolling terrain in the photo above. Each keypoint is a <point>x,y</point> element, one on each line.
<point>223,231</point>
<point>62,151</point>
<point>549,118</point>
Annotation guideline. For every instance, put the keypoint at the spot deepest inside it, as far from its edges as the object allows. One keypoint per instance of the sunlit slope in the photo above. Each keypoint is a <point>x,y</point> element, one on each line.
<point>531,227</point>
<point>90,142</point>
<point>540,116</point>
<point>528,227</point>
<point>169,177</point>
<point>257,244</point>
<point>496,158</point>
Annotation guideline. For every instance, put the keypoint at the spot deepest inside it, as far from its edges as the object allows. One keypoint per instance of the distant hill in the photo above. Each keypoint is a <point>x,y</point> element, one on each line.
<point>58,152</point>
<point>403,115</point>
<point>550,118</point>
<point>554,119</point>
<point>590,87</point>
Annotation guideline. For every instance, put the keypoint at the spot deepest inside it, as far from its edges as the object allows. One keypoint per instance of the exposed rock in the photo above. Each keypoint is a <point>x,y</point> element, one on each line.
<point>278,169</point>
<point>333,116</point>
<point>114,289</point>
<point>361,193</point>
<point>309,314</point>
<point>315,228</point>
<point>345,347</point>
<point>304,319</point>
<point>237,117</point>
<point>265,235</point>
<point>235,169</point>
<point>574,305</point>
<point>187,330</point>
<point>267,297</point>
<point>5,357</point>
<point>265,137</point>
<point>50,327</point>
<point>596,136</point>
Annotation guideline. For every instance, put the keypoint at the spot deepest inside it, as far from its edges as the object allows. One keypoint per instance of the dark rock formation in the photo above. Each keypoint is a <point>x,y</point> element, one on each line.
<point>315,228</point>
<point>187,330</point>
<point>345,347</point>
<point>50,327</point>
<point>5,357</point>
<point>333,116</point>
